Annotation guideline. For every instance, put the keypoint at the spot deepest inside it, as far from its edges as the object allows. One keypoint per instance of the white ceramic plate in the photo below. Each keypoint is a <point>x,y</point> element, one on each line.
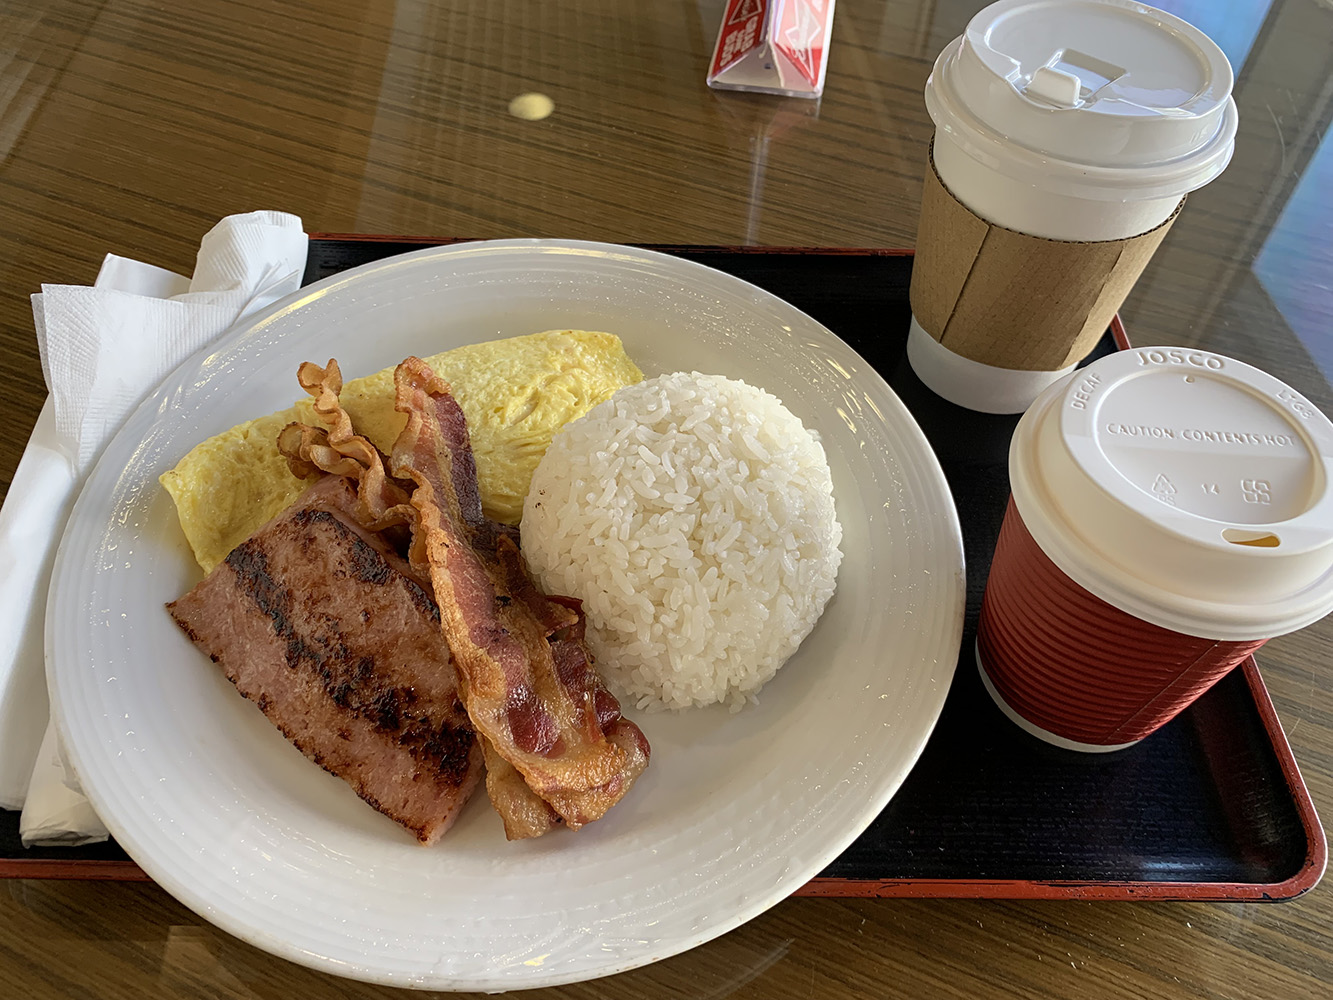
<point>735,812</point>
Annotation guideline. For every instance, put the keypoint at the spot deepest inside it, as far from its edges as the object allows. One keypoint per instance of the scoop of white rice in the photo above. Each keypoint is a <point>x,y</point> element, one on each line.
<point>693,516</point>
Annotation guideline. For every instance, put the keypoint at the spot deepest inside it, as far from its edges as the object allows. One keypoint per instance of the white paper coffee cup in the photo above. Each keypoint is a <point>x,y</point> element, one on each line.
<point>1078,121</point>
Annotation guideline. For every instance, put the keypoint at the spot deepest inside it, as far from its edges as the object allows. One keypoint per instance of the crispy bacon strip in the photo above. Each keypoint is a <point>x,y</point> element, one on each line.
<point>535,701</point>
<point>338,450</point>
<point>301,443</point>
<point>574,668</point>
<point>524,813</point>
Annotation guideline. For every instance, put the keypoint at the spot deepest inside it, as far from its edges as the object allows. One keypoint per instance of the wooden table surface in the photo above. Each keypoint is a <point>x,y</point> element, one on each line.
<point>132,126</point>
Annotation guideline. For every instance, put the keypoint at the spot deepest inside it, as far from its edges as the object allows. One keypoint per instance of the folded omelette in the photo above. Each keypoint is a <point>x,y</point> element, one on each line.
<point>515,393</point>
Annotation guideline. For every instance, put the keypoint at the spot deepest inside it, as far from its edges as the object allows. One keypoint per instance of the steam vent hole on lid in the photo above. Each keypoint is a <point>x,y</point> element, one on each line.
<point>1256,539</point>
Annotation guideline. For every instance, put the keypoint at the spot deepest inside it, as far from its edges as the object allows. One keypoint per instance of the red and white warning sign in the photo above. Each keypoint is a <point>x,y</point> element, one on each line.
<point>773,46</point>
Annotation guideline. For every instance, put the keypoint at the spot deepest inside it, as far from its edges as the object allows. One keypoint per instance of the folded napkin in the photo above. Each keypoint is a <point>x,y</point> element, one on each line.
<point>103,349</point>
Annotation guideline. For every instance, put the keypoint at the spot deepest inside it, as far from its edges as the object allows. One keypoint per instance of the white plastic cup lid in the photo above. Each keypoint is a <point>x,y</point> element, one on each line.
<point>1106,99</point>
<point>1188,489</point>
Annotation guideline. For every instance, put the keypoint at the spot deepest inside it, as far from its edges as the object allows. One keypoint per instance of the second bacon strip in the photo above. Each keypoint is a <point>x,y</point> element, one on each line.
<point>528,683</point>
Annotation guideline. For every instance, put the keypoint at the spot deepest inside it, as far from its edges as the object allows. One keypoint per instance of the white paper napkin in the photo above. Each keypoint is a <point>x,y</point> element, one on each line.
<point>103,348</point>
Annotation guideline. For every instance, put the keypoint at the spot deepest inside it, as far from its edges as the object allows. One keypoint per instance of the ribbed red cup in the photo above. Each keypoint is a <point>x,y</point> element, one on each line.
<point>1074,666</point>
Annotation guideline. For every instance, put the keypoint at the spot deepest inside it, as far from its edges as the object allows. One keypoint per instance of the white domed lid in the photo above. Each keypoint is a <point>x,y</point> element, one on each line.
<point>1189,489</point>
<point>1115,98</point>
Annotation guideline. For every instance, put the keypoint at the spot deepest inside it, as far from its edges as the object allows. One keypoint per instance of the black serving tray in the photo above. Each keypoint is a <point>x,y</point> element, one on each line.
<point>1211,806</point>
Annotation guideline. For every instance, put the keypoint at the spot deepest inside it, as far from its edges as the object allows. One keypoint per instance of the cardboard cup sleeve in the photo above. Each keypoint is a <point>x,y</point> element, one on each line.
<point>1009,300</point>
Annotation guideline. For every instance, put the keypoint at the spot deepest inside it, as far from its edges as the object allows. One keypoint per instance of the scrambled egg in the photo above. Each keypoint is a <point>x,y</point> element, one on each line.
<point>515,393</point>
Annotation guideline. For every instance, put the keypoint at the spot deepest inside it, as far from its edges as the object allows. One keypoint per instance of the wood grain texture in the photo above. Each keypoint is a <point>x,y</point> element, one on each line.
<point>128,126</point>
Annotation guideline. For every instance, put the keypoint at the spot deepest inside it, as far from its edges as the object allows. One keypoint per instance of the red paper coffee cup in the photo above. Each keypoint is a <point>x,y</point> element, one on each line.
<point>1171,511</point>
<point>1071,665</point>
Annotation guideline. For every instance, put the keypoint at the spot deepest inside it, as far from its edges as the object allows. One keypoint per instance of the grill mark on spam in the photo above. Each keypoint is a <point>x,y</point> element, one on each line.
<point>384,709</point>
<point>422,601</point>
<point>357,786</point>
<point>352,685</point>
<point>250,564</point>
<point>448,748</point>
<point>366,564</point>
